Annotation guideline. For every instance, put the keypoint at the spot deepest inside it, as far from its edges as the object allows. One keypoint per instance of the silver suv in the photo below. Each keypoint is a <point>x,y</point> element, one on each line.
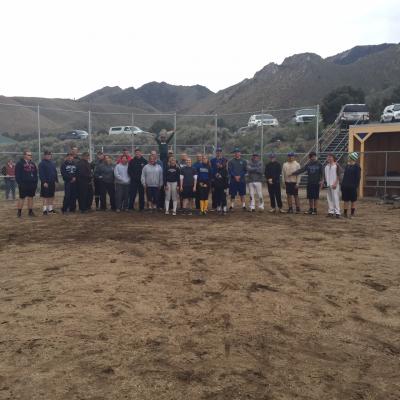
<point>353,114</point>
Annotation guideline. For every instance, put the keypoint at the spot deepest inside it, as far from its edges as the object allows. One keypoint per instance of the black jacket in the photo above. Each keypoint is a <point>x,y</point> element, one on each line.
<point>273,171</point>
<point>351,176</point>
<point>26,172</point>
<point>68,170</point>
<point>314,170</point>
<point>220,179</point>
<point>84,171</point>
<point>135,168</point>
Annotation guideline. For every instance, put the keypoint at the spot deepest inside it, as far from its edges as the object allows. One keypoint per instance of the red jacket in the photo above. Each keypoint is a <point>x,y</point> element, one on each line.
<point>9,170</point>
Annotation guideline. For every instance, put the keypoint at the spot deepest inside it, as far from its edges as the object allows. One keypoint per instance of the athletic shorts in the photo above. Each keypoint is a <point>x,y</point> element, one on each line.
<point>48,192</point>
<point>237,188</point>
<point>291,189</point>
<point>153,194</point>
<point>187,192</point>
<point>27,190</point>
<point>349,193</point>
<point>313,191</point>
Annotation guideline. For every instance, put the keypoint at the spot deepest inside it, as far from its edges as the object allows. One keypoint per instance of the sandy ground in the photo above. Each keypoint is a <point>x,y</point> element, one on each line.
<point>248,306</point>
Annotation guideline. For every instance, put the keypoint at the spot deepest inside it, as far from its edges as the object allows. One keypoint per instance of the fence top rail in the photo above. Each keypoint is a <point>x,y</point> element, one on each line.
<point>17,105</point>
<point>141,114</point>
<point>63,110</point>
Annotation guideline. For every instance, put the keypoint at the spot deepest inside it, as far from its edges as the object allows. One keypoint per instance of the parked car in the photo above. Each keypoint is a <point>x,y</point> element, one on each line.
<point>304,116</point>
<point>75,134</point>
<point>353,114</point>
<point>128,130</point>
<point>262,119</point>
<point>391,113</point>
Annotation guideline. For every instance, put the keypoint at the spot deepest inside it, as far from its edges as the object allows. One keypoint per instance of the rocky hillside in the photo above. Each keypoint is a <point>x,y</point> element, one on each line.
<point>301,80</point>
<point>153,96</point>
<point>304,79</point>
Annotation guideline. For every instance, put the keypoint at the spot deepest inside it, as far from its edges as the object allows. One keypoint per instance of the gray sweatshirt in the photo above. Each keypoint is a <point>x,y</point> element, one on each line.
<point>255,171</point>
<point>152,175</point>
<point>121,174</point>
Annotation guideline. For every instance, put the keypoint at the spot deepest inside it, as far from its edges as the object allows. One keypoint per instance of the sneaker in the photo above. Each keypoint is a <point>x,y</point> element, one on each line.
<point>314,212</point>
<point>31,214</point>
<point>53,212</point>
<point>19,214</point>
<point>290,210</point>
<point>173,212</point>
<point>329,215</point>
<point>44,212</point>
<point>298,210</point>
<point>272,210</point>
<point>189,212</point>
<point>337,216</point>
<point>166,212</point>
<point>118,210</point>
<point>282,211</point>
<point>309,212</point>
<point>244,208</point>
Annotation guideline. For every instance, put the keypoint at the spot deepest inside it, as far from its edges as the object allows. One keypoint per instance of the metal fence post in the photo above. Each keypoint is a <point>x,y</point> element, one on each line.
<point>38,128</point>
<point>175,133</point>
<point>132,134</point>
<point>386,168</point>
<point>262,137</point>
<point>216,135</point>
<point>90,135</point>
<point>317,131</point>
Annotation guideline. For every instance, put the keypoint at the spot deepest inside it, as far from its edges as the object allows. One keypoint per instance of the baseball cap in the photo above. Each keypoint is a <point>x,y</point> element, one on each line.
<point>219,148</point>
<point>272,155</point>
<point>312,154</point>
<point>47,153</point>
<point>291,154</point>
<point>236,150</point>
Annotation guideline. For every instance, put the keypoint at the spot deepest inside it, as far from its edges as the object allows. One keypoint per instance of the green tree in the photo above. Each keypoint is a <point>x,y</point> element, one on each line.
<point>333,101</point>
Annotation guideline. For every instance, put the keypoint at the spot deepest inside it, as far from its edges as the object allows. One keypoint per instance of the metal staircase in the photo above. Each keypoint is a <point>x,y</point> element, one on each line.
<point>333,140</point>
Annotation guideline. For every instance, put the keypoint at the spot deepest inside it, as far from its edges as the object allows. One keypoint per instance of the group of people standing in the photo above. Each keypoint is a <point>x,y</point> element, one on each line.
<point>164,183</point>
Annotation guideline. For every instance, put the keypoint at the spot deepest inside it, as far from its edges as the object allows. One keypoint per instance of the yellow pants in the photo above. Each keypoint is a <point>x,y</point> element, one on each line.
<point>203,205</point>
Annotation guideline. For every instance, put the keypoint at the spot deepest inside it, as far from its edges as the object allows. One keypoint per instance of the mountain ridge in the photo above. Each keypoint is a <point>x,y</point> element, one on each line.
<point>300,80</point>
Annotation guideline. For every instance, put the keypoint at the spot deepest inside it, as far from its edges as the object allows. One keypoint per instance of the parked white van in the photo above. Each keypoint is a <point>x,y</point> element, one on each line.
<point>262,119</point>
<point>119,130</point>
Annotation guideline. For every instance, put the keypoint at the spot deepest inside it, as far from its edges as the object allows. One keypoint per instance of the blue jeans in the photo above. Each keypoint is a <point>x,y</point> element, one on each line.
<point>70,196</point>
<point>135,188</point>
<point>10,188</point>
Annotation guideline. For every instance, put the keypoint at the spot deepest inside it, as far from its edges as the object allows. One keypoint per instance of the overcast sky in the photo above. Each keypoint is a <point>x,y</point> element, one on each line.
<point>69,48</point>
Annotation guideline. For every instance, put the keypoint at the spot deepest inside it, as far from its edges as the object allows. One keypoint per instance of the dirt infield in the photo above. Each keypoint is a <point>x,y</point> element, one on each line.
<point>248,306</point>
